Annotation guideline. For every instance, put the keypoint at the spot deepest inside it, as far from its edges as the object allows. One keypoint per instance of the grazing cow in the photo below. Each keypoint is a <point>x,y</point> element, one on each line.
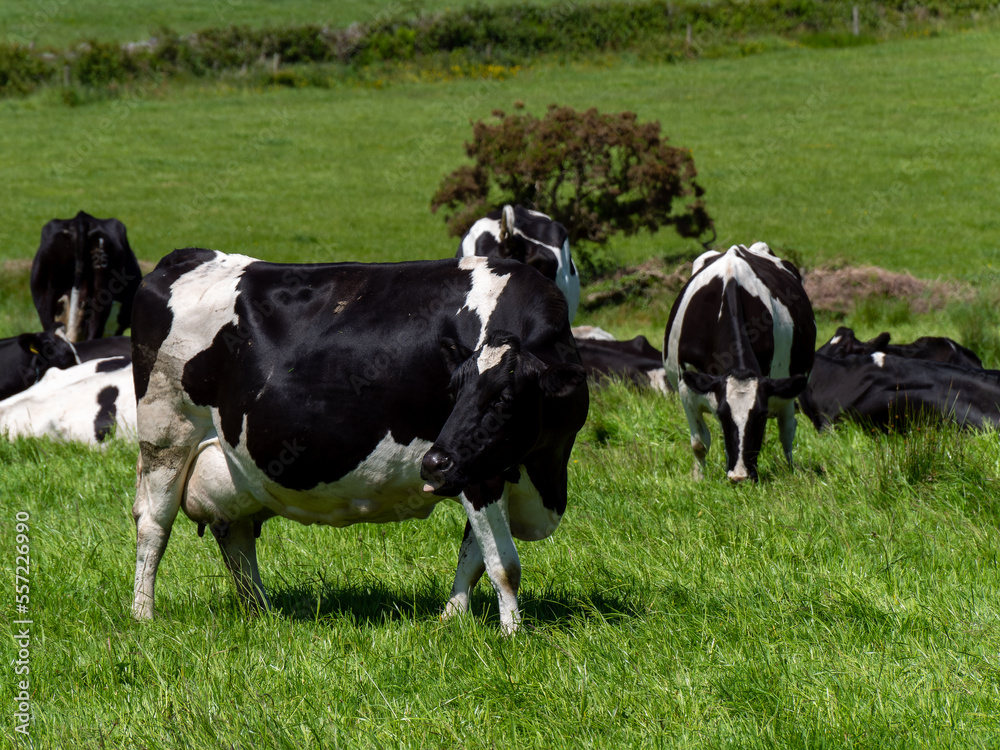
<point>85,403</point>
<point>930,348</point>
<point>636,361</point>
<point>530,237</point>
<point>739,342</point>
<point>82,268</point>
<point>24,359</point>
<point>346,393</point>
<point>888,392</point>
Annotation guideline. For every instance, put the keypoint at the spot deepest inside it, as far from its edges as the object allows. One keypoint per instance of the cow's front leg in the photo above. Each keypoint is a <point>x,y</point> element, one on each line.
<point>486,506</point>
<point>237,541</point>
<point>786,429</point>
<point>470,569</point>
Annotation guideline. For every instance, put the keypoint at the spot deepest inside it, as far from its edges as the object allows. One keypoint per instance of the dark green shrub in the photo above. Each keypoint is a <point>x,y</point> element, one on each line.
<point>597,174</point>
<point>21,72</point>
<point>99,64</point>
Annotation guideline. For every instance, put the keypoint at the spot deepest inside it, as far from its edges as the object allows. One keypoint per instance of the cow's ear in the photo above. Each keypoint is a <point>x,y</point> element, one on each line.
<point>786,388</point>
<point>561,380</point>
<point>30,343</point>
<point>701,382</point>
<point>454,353</point>
<point>879,343</point>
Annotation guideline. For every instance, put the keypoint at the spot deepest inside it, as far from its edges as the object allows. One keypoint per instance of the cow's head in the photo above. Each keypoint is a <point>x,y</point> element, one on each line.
<point>498,393</point>
<point>743,400</point>
<point>45,350</point>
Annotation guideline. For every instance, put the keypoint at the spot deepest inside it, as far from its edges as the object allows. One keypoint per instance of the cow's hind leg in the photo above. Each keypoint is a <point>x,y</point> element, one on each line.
<point>486,506</point>
<point>158,496</point>
<point>701,438</point>
<point>470,569</point>
<point>238,543</point>
<point>786,429</point>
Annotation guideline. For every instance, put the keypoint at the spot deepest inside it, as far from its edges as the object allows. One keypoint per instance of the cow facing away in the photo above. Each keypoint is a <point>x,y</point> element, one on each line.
<point>83,267</point>
<point>85,403</point>
<point>928,348</point>
<point>24,359</point>
<point>348,393</point>
<point>530,237</point>
<point>739,342</point>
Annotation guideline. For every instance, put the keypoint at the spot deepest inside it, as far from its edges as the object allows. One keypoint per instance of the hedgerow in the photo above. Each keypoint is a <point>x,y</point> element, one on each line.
<point>503,34</point>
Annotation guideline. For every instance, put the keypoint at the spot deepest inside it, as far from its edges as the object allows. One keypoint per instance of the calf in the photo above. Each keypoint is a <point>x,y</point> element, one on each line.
<point>83,267</point>
<point>739,342</point>
<point>888,392</point>
<point>929,348</point>
<point>530,237</point>
<point>348,393</point>
<point>86,403</point>
<point>25,359</point>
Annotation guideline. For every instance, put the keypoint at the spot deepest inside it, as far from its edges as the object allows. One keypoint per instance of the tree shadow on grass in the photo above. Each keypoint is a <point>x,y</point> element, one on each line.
<point>371,601</point>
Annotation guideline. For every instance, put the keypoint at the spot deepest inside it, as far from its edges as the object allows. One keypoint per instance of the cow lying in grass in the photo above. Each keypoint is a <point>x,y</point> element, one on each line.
<point>85,403</point>
<point>888,392</point>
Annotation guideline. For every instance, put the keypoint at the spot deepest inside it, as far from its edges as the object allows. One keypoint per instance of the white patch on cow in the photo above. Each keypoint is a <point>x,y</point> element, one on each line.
<point>385,487</point>
<point>481,227</point>
<point>490,357</point>
<point>530,520</point>
<point>73,320</point>
<point>879,359</point>
<point>64,404</point>
<point>592,332</point>
<point>836,339</point>
<point>658,379</point>
<point>741,395</point>
<point>702,260</point>
<point>485,291</point>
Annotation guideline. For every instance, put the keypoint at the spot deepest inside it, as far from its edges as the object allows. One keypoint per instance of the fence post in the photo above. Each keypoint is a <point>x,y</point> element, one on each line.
<point>855,21</point>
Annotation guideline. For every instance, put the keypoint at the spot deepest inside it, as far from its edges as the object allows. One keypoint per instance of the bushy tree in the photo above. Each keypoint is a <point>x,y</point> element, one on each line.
<point>597,174</point>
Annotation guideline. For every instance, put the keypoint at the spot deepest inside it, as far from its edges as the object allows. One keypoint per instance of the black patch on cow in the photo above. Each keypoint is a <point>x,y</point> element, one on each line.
<point>104,423</point>
<point>535,241</point>
<point>152,315</point>
<point>113,364</point>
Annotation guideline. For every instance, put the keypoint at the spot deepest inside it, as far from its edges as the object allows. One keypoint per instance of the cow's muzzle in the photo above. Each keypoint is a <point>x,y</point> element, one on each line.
<point>438,469</point>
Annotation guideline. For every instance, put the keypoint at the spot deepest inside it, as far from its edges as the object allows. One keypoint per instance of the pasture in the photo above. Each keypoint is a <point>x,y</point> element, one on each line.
<point>852,603</point>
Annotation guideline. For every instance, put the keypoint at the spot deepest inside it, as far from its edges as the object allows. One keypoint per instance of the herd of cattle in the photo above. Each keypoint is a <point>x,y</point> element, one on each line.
<point>344,393</point>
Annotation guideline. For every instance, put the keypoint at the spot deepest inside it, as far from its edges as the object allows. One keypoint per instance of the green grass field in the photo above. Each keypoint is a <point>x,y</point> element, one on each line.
<point>850,604</point>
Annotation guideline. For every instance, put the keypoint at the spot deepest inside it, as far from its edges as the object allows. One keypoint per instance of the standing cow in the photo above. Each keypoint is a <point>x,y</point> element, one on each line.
<point>530,237</point>
<point>82,268</point>
<point>739,343</point>
<point>347,393</point>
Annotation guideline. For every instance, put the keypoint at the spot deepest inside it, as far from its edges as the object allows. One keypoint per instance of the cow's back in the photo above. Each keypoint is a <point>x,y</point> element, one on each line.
<point>735,300</point>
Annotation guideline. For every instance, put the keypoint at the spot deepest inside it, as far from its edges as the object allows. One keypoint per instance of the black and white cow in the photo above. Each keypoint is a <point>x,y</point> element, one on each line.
<point>24,359</point>
<point>83,267</point>
<point>929,348</point>
<point>854,381</point>
<point>739,343</point>
<point>348,393</point>
<point>85,403</point>
<point>530,237</point>
<point>635,361</point>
